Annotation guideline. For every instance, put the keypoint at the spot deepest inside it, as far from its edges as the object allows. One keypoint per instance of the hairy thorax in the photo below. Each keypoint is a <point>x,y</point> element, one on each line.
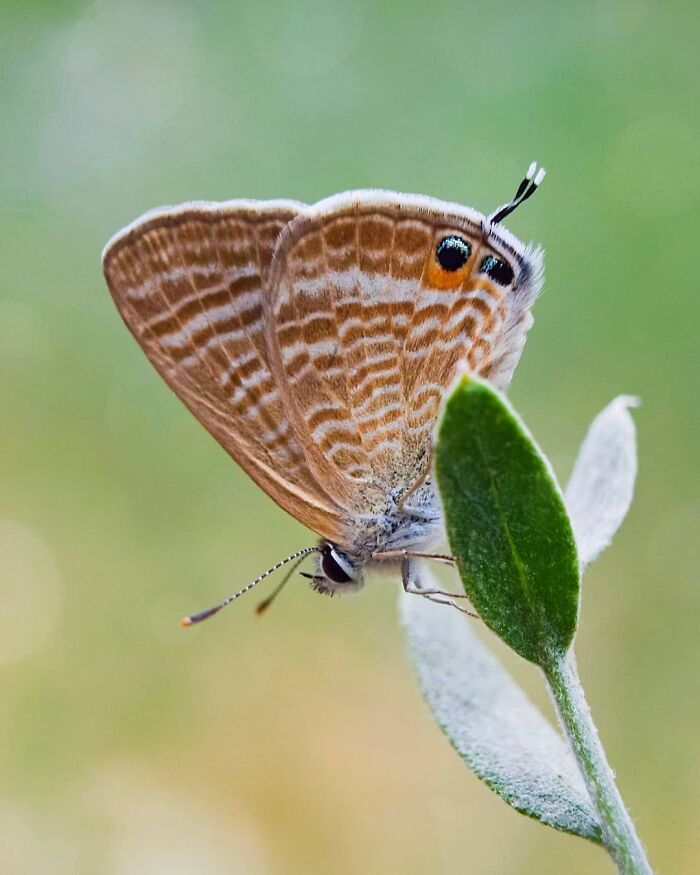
<point>412,523</point>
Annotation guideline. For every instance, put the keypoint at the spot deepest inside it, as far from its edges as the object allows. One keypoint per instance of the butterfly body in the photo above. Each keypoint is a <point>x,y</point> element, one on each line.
<point>316,344</point>
<point>392,529</point>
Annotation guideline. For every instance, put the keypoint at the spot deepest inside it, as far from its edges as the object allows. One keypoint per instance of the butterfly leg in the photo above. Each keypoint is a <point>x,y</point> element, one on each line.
<point>449,602</point>
<point>432,595</point>
<point>413,554</point>
<point>407,555</point>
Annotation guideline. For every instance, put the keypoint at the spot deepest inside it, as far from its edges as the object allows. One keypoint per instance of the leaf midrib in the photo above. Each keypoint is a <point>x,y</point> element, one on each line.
<point>522,575</point>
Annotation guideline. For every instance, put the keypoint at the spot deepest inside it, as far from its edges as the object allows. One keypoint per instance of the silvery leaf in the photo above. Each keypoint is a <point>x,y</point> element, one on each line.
<point>490,721</point>
<point>600,490</point>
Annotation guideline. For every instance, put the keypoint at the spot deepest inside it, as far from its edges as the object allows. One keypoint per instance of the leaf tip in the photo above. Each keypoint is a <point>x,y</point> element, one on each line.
<point>628,401</point>
<point>464,378</point>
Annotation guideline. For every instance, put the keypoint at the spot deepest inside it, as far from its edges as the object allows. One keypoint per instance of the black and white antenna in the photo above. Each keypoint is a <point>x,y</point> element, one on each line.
<point>204,615</point>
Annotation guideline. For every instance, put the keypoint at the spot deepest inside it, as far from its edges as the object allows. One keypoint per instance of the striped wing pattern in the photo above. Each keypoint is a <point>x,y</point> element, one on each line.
<point>316,343</point>
<point>369,331</point>
<point>189,284</point>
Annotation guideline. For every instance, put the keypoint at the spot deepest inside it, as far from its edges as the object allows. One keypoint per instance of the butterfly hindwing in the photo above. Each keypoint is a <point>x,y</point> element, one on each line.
<point>368,329</point>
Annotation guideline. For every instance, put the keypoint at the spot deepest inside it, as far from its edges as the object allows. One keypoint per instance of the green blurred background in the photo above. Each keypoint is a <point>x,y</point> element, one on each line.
<point>299,743</point>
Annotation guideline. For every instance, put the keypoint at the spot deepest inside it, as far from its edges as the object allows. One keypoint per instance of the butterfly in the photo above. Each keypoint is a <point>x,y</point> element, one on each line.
<point>316,343</point>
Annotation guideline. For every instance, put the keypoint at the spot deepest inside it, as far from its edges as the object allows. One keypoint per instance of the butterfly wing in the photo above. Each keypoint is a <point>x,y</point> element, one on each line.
<point>367,330</point>
<point>190,282</point>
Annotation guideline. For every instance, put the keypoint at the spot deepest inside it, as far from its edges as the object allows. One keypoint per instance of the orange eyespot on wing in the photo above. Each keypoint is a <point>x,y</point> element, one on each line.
<point>452,264</point>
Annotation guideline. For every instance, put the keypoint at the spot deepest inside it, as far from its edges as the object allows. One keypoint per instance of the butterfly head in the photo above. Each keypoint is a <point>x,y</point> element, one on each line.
<point>337,573</point>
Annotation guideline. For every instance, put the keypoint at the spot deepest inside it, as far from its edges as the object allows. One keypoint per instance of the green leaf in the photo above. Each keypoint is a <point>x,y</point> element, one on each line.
<point>490,721</point>
<point>507,523</point>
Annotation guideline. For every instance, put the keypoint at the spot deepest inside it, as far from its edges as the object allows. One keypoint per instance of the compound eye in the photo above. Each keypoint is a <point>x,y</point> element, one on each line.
<point>452,253</point>
<point>497,269</point>
<point>332,568</point>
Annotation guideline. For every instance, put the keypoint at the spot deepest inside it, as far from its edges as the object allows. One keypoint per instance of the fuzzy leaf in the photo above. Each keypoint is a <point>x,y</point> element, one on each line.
<point>491,723</point>
<point>507,523</point>
<point>600,490</point>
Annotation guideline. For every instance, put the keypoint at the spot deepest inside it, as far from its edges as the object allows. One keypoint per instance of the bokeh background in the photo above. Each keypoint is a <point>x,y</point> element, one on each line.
<point>299,743</point>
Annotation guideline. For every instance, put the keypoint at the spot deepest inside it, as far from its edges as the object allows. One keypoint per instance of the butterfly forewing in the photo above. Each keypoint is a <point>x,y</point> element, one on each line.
<point>190,283</point>
<point>368,331</point>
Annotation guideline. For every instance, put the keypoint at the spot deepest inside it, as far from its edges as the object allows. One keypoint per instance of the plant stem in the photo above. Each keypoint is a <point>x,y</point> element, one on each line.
<point>619,836</point>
